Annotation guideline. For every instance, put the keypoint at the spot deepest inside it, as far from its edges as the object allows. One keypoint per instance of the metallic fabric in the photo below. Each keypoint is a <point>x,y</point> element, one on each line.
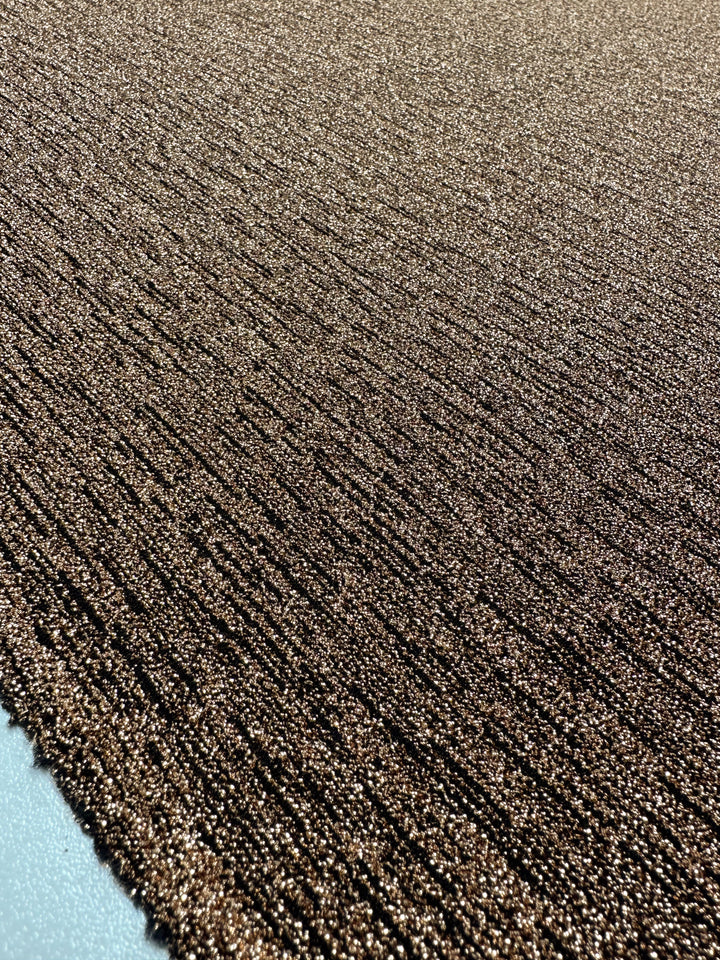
<point>360,434</point>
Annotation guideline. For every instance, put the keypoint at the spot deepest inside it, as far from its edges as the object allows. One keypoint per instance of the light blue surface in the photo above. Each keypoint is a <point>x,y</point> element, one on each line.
<point>57,901</point>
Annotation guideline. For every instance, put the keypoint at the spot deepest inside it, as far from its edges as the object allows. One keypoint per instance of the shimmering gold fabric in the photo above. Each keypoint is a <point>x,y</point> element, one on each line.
<point>360,432</point>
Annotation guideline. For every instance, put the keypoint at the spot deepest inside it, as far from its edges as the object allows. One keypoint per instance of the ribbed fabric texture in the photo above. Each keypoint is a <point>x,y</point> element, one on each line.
<point>360,431</point>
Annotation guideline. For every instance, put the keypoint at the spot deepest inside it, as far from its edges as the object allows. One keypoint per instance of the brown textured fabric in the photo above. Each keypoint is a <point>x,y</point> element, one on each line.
<point>360,430</point>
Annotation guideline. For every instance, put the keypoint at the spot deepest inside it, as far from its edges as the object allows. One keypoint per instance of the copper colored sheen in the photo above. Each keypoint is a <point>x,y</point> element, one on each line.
<point>360,432</point>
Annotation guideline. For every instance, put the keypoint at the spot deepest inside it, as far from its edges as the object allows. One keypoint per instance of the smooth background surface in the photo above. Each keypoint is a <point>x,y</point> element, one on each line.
<point>57,901</point>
